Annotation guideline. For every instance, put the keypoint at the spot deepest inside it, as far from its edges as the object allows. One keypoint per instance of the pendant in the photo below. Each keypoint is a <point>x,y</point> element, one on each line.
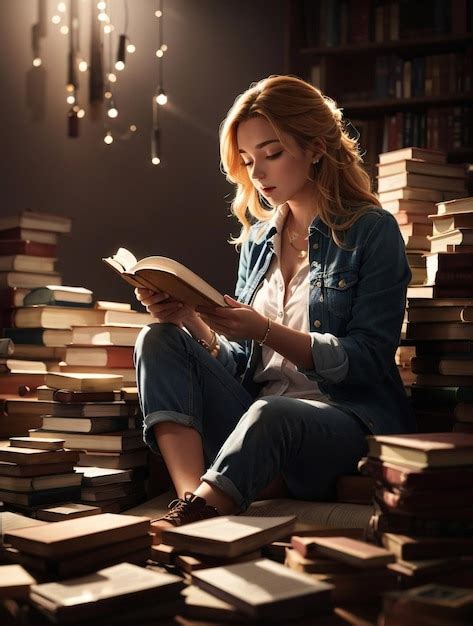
<point>302,254</point>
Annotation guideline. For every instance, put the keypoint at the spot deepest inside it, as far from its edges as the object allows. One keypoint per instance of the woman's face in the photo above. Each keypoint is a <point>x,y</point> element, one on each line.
<point>279,173</point>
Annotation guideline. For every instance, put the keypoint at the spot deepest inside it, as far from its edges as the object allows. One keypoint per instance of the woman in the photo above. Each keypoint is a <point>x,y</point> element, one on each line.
<point>274,394</point>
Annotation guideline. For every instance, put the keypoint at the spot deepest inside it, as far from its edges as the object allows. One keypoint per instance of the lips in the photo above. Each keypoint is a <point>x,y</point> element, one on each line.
<point>267,190</point>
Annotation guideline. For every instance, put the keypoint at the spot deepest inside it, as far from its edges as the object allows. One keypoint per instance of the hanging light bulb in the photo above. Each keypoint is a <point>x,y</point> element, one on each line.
<point>133,128</point>
<point>83,66</point>
<point>102,17</point>
<point>155,159</point>
<point>73,122</point>
<point>56,19</point>
<point>112,77</point>
<point>159,53</point>
<point>108,28</point>
<point>80,113</point>
<point>108,139</point>
<point>61,7</point>
<point>112,110</point>
<point>101,6</point>
<point>120,63</point>
<point>71,99</point>
<point>37,62</point>
<point>131,48</point>
<point>160,96</point>
<point>158,13</point>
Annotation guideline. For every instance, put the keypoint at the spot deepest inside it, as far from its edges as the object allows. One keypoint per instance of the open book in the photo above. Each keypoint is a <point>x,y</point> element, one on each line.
<point>160,273</point>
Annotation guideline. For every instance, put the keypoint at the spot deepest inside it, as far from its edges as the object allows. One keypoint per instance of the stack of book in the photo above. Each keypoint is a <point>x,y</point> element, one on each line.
<point>28,254</point>
<point>356,569</point>
<point>105,431</point>
<point>37,473</point>
<point>410,182</point>
<point>78,546</point>
<point>422,503</point>
<point>106,346</point>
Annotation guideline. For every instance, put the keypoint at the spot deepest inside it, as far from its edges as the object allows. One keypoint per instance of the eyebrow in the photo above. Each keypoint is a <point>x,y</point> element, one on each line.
<point>263,144</point>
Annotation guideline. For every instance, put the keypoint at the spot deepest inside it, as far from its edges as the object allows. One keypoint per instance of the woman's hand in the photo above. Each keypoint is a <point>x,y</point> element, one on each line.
<point>237,321</point>
<point>164,308</point>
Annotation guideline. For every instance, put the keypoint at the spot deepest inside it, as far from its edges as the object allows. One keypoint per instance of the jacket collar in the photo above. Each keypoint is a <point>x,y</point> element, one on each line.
<point>276,223</point>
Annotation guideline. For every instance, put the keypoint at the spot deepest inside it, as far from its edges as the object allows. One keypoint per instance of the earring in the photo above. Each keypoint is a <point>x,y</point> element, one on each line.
<point>315,161</point>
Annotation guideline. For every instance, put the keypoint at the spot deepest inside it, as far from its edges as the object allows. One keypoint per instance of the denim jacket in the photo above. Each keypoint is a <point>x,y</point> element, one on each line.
<point>357,299</point>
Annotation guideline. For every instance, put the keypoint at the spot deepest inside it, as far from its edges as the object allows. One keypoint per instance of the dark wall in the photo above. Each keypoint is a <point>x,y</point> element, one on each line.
<point>113,193</point>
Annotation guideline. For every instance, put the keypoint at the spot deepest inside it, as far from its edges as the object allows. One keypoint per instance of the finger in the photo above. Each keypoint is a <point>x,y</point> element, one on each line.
<point>156,298</point>
<point>162,309</point>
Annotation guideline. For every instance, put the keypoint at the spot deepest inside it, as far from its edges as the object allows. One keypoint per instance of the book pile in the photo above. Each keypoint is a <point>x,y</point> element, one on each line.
<point>357,570</point>
<point>105,344</point>
<point>28,255</point>
<point>423,513</point>
<point>78,546</point>
<point>428,605</point>
<point>403,358</point>
<point>37,473</point>
<point>410,182</point>
<point>84,411</point>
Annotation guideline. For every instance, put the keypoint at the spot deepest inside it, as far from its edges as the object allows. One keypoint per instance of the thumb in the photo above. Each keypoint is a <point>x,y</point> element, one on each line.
<point>232,302</point>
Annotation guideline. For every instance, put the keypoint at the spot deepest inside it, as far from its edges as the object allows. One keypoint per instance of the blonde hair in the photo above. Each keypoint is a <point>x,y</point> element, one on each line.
<point>342,188</point>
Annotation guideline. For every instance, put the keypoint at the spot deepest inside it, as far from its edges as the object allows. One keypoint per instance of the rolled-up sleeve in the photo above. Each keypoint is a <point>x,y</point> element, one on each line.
<point>364,355</point>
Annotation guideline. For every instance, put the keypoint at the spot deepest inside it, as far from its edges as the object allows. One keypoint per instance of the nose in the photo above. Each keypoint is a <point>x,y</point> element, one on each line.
<point>258,173</point>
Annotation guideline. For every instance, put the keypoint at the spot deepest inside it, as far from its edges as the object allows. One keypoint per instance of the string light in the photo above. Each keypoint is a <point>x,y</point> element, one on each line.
<point>71,99</point>
<point>108,139</point>
<point>83,66</point>
<point>112,110</point>
<point>61,7</point>
<point>101,6</point>
<point>56,19</point>
<point>64,30</point>
<point>120,62</point>
<point>37,62</point>
<point>131,48</point>
<point>161,97</point>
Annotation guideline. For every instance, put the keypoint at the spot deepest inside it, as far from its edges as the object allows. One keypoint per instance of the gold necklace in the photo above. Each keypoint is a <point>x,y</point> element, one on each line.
<point>291,235</point>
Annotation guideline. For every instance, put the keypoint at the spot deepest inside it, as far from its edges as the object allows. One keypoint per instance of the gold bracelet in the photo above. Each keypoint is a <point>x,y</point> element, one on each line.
<point>213,347</point>
<point>268,328</point>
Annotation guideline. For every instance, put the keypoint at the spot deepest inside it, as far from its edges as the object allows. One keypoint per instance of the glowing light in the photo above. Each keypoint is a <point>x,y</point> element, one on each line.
<point>61,7</point>
<point>83,66</point>
<point>131,48</point>
<point>70,87</point>
<point>107,29</point>
<point>133,128</point>
<point>102,17</point>
<point>64,30</point>
<point>161,98</point>
<point>101,6</point>
<point>37,62</point>
<point>108,139</point>
<point>120,66</point>
<point>112,78</point>
<point>158,13</point>
<point>164,47</point>
<point>80,113</point>
<point>159,53</point>
<point>56,19</point>
<point>112,112</point>
<point>155,160</point>
<point>108,94</point>
<point>70,99</point>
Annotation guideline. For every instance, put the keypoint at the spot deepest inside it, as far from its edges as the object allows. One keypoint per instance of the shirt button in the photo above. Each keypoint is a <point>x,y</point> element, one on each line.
<point>321,299</point>
<point>342,283</point>
<point>281,288</point>
<point>317,323</point>
<point>318,283</point>
<point>280,314</point>
<point>315,246</point>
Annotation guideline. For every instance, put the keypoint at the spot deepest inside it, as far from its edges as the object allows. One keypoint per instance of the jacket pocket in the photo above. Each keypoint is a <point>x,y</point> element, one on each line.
<point>339,290</point>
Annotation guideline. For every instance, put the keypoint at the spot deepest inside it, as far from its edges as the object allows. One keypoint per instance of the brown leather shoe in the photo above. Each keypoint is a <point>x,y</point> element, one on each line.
<point>191,509</point>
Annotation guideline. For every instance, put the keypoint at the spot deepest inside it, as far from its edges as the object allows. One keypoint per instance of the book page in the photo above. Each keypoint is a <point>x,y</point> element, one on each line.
<point>231,528</point>
<point>126,259</point>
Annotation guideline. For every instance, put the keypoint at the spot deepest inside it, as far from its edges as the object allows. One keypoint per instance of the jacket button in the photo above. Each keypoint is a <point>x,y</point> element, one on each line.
<point>321,299</point>
<point>318,283</point>
<point>315,246</point>
<point>317,323</point>
<point>342,283</point>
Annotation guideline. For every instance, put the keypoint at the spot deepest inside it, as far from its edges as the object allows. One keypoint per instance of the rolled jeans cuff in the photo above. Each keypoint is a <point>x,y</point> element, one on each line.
<point>164,416</point>
<point>227,486</point>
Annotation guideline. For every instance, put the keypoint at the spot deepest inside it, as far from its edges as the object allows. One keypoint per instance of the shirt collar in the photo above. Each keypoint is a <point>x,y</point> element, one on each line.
<point>276,223</point>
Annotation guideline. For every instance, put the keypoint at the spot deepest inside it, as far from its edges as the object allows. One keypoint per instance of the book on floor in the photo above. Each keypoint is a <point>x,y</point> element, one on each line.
<point>456,205</point>
<point>104,356</point>
<point>350,551</point>
<point>423,181</point>
<point>93,425</point>
<point>64,397</point>
<point>423,154</point>
<point>39,336</point>
<point>59,295</point>
<point>43,444</point>
<point>40,483</point>
<point>27,263</point>
<point>70,510</point>
<point>410,548</point>
<point>15,582</point>
<point>28,280</point>
<point>37,220</point>
<point>73,536</point>
<point>108,590</point>
<point>228,536</point>
<point>105,442</point>
<point>166,275</point>
<point>28,456</point>
<point>40,498</point>
<point>93,476</point>
<point>263,589</point>
<point>114,460</point>
<point>423,450</point>
<point>105,335</point>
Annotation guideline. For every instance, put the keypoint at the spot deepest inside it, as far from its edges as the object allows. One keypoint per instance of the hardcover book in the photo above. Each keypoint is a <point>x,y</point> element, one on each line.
<point>166,275</point>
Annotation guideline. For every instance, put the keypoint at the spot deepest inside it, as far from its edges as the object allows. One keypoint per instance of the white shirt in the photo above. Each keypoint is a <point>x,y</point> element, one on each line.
<point>280,376</point>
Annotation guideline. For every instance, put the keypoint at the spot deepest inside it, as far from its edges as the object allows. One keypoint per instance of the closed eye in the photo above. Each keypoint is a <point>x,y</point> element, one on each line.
<point>271,157</point>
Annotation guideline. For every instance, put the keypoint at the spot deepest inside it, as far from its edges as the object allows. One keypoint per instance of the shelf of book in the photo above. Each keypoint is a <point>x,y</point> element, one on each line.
<point>403,69</point>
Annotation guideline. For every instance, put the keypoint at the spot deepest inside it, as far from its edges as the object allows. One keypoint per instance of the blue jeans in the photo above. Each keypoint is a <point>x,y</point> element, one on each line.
<point>247,442</point>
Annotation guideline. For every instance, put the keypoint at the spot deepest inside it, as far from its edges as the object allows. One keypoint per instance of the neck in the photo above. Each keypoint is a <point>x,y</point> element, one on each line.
<point>301,210</point>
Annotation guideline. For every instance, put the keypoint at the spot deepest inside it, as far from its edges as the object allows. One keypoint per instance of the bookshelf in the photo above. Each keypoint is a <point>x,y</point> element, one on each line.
<point>402,70</point>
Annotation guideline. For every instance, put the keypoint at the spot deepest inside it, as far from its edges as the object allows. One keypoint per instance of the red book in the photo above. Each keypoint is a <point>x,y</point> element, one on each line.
<point>29,234</point>
<point>32,248</point>
<point>10,383</point>
<point>100,356</point>
<point>413,479</point>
